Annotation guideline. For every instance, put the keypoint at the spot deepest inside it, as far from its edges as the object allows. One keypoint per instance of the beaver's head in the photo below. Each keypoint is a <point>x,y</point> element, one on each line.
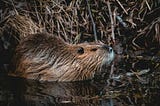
<point>100,53</point>
<point>82,61</point>
<point>46,57</point>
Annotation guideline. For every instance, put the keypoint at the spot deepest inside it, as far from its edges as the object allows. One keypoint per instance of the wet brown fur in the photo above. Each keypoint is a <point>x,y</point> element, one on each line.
<point>45,57</point>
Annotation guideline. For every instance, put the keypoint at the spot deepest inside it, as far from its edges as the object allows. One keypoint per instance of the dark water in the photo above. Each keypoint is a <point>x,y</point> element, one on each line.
<point>139,90</point>
<point>15,92</point>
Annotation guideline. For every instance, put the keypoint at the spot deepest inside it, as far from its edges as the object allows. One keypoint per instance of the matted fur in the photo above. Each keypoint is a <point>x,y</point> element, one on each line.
<point>47,58</point>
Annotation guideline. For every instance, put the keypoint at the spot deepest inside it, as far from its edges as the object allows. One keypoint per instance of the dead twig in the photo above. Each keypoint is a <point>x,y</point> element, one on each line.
<point>148,5</point>
<point>93,23</point>
<point>122,6</point>
<point>112,23</point>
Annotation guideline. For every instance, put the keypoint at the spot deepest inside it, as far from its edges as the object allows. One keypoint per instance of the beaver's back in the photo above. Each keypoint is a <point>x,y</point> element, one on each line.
<point>34,53</point>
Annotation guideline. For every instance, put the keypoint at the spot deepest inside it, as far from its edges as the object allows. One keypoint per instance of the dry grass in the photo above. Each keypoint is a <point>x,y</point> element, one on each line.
<point>79,20</point>
<point>22,25</point>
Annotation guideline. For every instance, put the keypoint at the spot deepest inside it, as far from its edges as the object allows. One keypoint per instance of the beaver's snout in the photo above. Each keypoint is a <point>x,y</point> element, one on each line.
<point>109,56</point>
<point>108,48</point>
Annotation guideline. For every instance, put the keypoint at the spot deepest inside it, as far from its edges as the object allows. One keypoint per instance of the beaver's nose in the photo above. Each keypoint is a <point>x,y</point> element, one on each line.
<point>107,48</point>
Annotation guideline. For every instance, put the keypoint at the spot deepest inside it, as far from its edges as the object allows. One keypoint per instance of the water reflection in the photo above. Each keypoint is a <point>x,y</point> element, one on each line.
<point>16,91</point>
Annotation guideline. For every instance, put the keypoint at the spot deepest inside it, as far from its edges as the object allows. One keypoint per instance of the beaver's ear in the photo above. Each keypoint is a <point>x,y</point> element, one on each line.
<point>80,50</point>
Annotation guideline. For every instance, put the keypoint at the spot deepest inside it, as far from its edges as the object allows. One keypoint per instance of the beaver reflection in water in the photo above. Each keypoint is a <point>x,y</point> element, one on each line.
<point>45,57</point>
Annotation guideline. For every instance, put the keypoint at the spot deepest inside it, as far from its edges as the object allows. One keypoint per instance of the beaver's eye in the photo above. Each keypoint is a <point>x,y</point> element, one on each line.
<point>93,49</point>
<point>80,50</point>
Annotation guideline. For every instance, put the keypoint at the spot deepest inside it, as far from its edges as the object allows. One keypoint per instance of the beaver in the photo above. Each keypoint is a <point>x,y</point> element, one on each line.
<point>46,57</point>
